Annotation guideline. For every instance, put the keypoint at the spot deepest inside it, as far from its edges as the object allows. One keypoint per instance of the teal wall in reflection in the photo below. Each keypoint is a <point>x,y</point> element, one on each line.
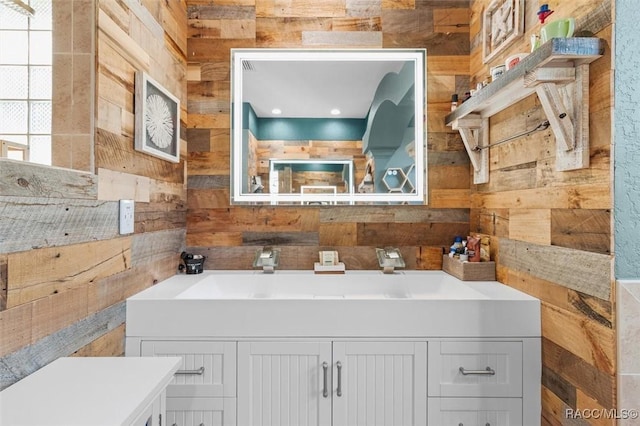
<point>323,129</point>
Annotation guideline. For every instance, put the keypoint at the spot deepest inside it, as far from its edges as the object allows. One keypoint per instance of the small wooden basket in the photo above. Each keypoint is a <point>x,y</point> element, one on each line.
<point>469,271</point>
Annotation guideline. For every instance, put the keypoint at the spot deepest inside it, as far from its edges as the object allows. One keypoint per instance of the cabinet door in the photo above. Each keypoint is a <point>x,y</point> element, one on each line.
<point>201,412</point>
<point>282,383</point>
<point>208,368</point>
<point>475,411</point>
<point>382,383</point>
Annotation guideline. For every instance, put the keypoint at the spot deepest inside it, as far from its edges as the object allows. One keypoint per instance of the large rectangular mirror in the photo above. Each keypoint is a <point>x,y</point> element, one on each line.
<point>328,126</point>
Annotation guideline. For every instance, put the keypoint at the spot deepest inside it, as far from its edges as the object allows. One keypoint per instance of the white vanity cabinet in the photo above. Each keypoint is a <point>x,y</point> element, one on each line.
<point>351,382</point>
<point>362,348</point>
<point>203,390</point>
<point>325,383</point>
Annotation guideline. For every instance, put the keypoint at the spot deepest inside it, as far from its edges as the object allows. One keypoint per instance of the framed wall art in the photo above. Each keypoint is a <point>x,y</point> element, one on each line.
<point>157,114</point>
<point>502,24</point>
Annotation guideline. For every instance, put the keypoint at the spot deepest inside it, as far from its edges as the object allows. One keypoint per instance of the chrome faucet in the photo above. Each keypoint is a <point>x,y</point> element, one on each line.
<point>389,258</point>
<point>267,258</point>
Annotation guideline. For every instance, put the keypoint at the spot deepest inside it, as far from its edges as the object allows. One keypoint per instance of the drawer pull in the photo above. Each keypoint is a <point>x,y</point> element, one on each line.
<point>339,367</point>
<point>325,390</point>
<point>199,371</point>
<point>486,372</point>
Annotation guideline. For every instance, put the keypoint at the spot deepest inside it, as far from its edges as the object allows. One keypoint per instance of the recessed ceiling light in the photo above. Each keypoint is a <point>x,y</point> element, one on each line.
<point>276,111</point>
<point>335,111</point>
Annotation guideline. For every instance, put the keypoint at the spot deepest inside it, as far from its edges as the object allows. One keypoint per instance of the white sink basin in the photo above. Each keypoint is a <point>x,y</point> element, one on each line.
<point>239,304</point>
<point>291,285</point>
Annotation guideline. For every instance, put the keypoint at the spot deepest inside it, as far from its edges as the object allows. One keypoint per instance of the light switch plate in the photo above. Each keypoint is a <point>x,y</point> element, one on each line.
<point>126,217</point>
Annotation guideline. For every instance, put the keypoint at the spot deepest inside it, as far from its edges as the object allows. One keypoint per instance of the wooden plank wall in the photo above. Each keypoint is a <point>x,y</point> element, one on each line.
<point>64,269</point>
<point>229,235</point>
<point>552,232</point>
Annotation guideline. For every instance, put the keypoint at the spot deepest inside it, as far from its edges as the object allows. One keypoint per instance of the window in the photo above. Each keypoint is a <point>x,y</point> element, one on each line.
<point>25,80</point>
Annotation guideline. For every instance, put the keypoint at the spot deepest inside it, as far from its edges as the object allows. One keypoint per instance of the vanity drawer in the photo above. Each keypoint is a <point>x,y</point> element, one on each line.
<point>475,411</point>
<point>475,368</point>
<point>208,368</point>
<point>201,412</point>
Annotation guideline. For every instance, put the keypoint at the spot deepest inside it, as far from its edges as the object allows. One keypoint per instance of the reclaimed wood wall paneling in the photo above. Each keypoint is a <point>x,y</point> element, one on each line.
<point>217,227</point>
<point>552,230</point>
<point>302,257</point>
<point>64,342</point>
<point>21,179</point>
<point>39,273</point>
<point>35,222</point>
<point>109,344</point>
<point>116,152</point>
<point>117,185</point>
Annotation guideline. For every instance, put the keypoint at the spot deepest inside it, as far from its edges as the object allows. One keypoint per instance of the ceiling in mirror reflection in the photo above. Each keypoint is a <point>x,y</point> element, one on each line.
<point>312,89</point>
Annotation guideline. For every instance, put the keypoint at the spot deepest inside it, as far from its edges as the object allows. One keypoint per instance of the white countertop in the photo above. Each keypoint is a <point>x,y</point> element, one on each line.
<point>178,286</point>
<point>228,304</point>
<point>82,391</point>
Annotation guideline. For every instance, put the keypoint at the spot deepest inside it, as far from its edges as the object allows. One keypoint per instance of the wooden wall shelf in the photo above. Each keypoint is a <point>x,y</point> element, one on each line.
<point>558,72</point>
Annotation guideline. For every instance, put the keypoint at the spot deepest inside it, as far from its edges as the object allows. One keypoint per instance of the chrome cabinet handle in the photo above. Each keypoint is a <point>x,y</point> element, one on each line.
<point>339,389</point>
<point>325,368</point>
<point>486,372</point>
<point>199,371</point>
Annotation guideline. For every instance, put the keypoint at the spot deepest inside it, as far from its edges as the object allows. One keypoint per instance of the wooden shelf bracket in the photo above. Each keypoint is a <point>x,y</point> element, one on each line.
<point>474,131</point>
<point>567,109</point>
